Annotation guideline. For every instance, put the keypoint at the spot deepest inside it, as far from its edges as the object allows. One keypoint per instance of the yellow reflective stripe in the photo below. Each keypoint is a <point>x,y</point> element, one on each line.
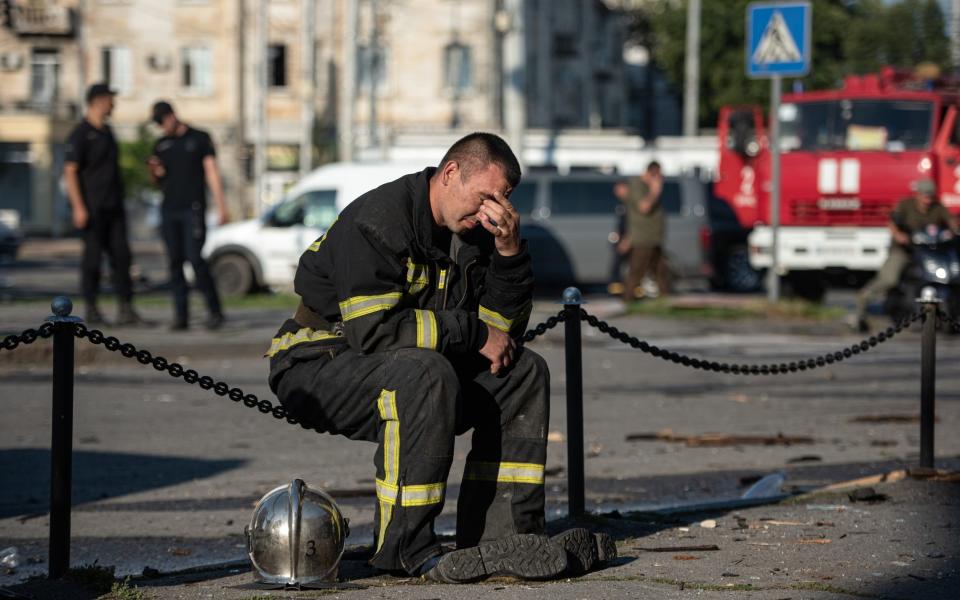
<point>316,245</point>
<point>288,340</point>
<point>426,329</point>
<point>418,276</point>
<point>361,306</point>
<point>422,495</point>
<point>442,283</point>
<point>495,319</point>
<point>387,492</point>
<point>505,472</point>
<point>387,407</point>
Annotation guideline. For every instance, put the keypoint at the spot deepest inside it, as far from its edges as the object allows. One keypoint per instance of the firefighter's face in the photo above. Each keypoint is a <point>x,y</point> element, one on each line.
<point>465,196</point>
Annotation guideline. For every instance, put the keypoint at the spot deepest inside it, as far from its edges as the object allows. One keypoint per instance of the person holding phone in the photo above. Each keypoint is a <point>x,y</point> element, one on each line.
<point>411,304</point>
<point>184,165</point>
<point>91,173</point>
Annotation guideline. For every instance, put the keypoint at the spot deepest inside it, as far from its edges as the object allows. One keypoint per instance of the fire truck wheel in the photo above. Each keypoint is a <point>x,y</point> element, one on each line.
<point>808,285</point>
<point>737,274</point>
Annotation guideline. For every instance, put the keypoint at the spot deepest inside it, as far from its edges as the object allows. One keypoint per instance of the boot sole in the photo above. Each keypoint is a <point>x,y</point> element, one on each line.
<point>585,550</point>
<point>527,556</point>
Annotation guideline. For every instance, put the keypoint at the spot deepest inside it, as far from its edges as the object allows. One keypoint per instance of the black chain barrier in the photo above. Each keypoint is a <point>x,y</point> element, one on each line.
<point>763,369</point>
<point>950,321</point>
<point>264,406</point>
<point>543,327</point>
<point>28,336</point>
<point>144,357</point>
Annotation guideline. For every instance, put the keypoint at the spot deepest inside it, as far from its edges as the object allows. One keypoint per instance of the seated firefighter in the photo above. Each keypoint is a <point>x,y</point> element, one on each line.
<point>404,337</point>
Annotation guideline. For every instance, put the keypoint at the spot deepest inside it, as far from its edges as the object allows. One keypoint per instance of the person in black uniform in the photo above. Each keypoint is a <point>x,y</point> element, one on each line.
<point>404,336</point>
<point>184,164</point>
<point>95,190</point>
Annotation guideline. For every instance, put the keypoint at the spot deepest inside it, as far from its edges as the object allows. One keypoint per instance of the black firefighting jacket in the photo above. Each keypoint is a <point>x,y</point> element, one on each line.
<point>379,280</point>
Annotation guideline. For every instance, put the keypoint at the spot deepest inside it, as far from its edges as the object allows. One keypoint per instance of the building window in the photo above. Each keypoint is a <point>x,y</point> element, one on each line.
<point>117,69</point>
<point>457,67</point>
<point>196,70</point>
<point>371,68</point>
<point>44,71</point>
<point>277,65</point>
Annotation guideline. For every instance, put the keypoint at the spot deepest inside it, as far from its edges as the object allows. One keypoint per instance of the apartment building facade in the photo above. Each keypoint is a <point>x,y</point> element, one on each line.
<point>321,73</point>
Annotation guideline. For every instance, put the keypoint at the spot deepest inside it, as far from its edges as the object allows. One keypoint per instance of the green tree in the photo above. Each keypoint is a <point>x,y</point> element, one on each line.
<point>848,37</point>
<point>133,162</point>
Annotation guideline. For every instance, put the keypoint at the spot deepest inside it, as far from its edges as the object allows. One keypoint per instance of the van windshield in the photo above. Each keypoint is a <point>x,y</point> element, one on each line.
<point>885,125</point>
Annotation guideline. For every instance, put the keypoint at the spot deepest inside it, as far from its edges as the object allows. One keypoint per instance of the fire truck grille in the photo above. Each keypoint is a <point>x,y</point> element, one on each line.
<point>842,212</point>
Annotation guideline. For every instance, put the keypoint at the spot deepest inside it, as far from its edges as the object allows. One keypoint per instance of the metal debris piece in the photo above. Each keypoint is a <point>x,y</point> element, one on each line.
<point>720,439</point>
<point>704,548</point>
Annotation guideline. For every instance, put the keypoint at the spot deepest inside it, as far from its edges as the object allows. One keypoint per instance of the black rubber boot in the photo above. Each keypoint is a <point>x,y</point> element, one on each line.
<point>93,316</point>
<point>585,550</point>
<point>523,555</point>
<point>127,316</point>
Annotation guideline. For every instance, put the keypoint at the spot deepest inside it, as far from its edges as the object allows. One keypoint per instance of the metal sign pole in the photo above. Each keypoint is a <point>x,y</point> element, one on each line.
<point>773,277</point>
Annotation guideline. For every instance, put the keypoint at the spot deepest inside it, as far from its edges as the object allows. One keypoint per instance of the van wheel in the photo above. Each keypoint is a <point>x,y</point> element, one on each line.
<point>738,275</point>
<point>232,274</point>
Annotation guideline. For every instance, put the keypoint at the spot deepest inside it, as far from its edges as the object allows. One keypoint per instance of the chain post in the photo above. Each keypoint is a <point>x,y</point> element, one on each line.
<point>61,442</point>
<point>572,301</point>
<point>928,358</point>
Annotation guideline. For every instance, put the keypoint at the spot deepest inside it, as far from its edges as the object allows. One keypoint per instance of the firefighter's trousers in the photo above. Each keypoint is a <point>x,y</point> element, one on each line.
<point>413,403</point>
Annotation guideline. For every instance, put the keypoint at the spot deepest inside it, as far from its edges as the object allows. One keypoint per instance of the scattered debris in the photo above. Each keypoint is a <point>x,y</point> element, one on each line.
<point>806,458</point>
<point>887,419</point>
<point>868,495</point>
<point>729,575</point>
<point>890,477</point>
<point>180,551</point>
<point>766,521</point>
<point>818,541</point>
<point>720,439</point>
<point>553,471</point>
<point>556,436</point>
<point>704,548</point>
<point>686,557</point>
<point>884,443</point>
<point>709,524</point>
<point>767,486</point>
<point>740,398</point>
<point>594,450</point>
<point>750,479</point>
<point>934,475</point>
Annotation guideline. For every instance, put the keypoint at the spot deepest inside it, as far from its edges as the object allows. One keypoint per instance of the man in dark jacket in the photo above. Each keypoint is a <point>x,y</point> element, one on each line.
<point>410,304</point>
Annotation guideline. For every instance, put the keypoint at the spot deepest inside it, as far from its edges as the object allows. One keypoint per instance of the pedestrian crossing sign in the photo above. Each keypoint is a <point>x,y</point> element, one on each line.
<point>778,39</point>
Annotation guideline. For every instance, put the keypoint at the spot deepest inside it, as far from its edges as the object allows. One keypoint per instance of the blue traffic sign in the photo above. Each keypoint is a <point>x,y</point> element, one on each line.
<point>778,39</point>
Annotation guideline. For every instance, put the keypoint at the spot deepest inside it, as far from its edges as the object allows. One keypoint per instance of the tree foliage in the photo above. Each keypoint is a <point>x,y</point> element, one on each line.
<point>133,162</point>
<point>848,37</point>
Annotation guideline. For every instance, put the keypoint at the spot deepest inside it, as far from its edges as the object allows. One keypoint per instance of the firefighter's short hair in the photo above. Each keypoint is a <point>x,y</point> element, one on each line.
<point>479,149</point>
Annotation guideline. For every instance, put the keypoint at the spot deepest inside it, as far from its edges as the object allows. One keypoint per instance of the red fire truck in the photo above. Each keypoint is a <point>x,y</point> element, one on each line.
<point>847,157</point>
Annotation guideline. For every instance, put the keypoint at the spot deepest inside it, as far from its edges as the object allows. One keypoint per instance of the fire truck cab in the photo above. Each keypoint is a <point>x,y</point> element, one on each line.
<point>847,157</point>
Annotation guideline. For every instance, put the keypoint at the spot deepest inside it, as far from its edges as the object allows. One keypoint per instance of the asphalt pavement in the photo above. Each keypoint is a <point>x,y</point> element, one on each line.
<point>166,474</point>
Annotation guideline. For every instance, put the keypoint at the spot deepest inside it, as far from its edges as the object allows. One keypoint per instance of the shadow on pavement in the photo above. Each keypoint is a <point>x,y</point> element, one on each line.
<point>25,476</point>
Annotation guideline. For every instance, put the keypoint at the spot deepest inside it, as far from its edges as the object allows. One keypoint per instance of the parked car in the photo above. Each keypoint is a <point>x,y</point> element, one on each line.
<point>10,235</point>
<point>568,219</point>
<point>264,252</point>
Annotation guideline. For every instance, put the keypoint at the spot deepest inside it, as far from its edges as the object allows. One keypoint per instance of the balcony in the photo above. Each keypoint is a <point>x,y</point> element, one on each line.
<point>50,19</point>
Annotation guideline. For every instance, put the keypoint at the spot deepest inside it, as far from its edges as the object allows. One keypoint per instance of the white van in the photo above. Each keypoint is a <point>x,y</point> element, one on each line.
<point>264,252</point>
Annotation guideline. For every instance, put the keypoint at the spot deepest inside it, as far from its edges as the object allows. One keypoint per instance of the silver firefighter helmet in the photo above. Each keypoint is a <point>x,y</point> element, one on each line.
<point>296,536</point>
